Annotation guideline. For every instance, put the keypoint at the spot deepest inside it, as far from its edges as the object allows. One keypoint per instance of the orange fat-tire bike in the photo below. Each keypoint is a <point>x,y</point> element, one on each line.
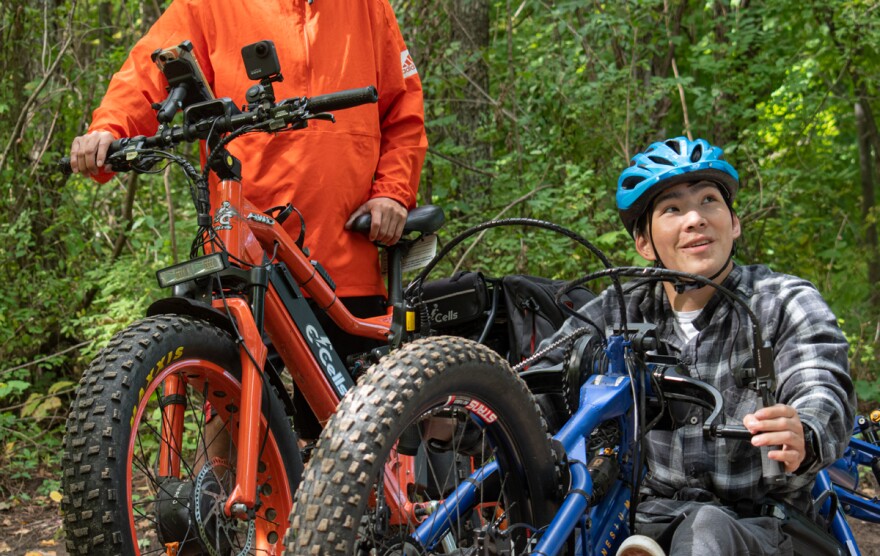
<point>179,441</point>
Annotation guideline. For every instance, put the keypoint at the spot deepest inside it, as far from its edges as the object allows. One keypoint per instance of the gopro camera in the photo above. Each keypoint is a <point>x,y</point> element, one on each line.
<point>261,60</point>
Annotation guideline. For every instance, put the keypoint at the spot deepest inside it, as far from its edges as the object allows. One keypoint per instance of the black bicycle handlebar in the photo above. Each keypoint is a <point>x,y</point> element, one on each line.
<point>343,99</point>
<point>270,119</point>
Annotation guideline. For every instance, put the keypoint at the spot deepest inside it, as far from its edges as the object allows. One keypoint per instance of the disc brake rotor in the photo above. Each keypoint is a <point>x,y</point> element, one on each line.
<point>209,498</point>
<point>186,507</point>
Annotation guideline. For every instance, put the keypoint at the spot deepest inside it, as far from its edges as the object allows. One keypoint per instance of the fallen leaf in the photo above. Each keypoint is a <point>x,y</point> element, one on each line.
<point>48,542</point>
<point>55,496</point>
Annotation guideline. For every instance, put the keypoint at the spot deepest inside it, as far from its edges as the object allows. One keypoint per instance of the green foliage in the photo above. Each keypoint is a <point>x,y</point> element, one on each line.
<point>576,89</point>
<point>863,361</point>
<point>67,288</point>
<point>572,90</point>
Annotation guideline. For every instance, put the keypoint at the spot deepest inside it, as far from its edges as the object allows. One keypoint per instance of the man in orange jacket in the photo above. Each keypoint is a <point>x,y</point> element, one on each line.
<point>369,161</point>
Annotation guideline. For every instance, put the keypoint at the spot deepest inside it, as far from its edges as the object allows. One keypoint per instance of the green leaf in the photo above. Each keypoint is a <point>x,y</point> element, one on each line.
<point>61,385</point>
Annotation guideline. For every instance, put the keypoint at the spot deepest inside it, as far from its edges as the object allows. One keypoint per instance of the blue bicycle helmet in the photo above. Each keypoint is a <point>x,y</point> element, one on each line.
<point>669,163</point>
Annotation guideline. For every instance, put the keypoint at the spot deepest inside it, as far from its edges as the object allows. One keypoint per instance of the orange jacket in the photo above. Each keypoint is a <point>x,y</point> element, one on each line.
<point>326,170</point>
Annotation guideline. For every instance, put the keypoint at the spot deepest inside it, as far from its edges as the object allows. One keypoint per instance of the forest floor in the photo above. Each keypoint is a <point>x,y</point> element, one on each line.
<point>33,528</point>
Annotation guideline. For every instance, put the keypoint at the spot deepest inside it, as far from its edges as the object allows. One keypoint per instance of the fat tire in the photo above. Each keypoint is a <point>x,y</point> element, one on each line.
<point>359,437</point>
<point>94,504</point>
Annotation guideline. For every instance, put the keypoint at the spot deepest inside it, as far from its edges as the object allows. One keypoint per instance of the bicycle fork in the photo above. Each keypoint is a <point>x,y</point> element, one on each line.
<point>253,356</point>
<point>247,319</point>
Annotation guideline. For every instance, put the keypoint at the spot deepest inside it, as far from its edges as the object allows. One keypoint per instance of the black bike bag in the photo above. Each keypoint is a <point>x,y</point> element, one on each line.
<point>453,301</point>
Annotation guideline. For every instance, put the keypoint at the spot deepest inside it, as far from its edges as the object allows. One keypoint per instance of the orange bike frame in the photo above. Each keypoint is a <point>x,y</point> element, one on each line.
<point>248,239</point>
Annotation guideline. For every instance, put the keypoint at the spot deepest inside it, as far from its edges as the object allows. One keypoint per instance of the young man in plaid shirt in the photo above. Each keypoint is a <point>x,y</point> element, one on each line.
<point>707,496</point>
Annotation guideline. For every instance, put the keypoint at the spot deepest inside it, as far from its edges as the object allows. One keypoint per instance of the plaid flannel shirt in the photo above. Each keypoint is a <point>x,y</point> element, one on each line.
<point>810,357</point>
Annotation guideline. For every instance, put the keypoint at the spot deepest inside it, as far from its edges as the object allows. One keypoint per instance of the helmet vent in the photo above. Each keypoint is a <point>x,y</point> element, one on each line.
<point>697,154</point>
<point>659,160</point>
<point>674,146</point>
<point>631,182</point>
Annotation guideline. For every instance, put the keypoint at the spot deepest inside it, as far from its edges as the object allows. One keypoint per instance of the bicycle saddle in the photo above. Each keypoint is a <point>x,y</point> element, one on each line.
<point>427,219</point>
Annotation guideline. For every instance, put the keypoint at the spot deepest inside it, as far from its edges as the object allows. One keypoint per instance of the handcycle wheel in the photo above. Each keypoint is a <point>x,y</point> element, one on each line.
<point>148,459</point>
<point>419,423</point>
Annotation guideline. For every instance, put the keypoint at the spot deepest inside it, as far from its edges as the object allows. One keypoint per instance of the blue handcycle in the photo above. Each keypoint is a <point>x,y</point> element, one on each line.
<point>467,436</point>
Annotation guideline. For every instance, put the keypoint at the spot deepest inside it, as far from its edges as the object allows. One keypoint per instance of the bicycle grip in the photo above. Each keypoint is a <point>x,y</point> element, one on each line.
<point>64,163</point>
<point>64,166</point>
<point>343,99</point>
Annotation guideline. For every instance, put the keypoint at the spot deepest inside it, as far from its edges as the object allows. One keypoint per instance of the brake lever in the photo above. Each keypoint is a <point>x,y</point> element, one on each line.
<point>132,158</point>
<point>326,116</point>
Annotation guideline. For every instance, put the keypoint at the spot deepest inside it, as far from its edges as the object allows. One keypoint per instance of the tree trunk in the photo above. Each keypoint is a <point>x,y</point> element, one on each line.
<point>151,12</point>
<point>470,28</point>
<point>424,29</point>
<point>864,127</point>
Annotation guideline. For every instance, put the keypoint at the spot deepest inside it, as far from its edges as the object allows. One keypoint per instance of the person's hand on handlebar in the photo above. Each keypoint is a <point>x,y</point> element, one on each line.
<point>779,425</point>
<point>89,152</point>
<point>387,219</point>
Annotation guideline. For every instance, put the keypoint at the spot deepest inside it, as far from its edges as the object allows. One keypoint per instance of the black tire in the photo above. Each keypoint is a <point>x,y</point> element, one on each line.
<point>113,494</point>
<point>336,510</point>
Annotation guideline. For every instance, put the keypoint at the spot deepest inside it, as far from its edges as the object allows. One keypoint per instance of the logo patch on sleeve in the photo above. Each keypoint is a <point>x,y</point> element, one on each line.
<point>406,62</point>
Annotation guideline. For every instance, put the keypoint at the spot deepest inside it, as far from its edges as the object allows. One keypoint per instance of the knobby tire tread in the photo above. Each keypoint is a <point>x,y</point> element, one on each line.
<point>98,427</point>
<point>336,484</point>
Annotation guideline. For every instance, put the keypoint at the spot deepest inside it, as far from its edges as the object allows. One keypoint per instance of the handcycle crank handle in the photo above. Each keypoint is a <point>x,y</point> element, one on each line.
<point>773,471</point>
<point>343,99</point>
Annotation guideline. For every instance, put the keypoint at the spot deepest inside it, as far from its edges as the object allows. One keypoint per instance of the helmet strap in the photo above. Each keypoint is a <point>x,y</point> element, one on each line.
<point>681,288</point>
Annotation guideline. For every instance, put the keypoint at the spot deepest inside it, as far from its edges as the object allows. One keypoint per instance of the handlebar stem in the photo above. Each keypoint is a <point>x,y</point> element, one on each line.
<point>616,349</point>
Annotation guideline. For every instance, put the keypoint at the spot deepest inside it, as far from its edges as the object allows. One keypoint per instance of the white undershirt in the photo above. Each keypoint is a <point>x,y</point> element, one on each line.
<point>684,324</point>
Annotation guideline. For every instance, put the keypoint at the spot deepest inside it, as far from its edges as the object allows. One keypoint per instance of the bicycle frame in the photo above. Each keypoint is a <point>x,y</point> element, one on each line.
<point>247,234</point>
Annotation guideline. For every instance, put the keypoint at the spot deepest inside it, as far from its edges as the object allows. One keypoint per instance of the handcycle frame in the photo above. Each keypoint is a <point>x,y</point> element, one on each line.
<point>842,479</point>
<point>602,525</point>
<point>604,397</point>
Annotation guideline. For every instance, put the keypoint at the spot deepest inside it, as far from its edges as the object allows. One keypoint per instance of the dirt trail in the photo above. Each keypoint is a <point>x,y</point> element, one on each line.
<point>35,530</point>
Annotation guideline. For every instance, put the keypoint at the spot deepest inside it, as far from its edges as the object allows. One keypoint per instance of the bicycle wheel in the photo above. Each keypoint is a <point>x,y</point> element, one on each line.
<point>148,460</point>
<point>416,426</point>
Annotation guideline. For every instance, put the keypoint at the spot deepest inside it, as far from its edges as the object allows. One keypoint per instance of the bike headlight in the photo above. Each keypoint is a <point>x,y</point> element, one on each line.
<point>191,269</point>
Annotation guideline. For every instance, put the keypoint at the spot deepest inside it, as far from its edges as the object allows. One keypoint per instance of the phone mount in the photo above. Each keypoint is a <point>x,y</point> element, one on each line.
<point>186,82</point>
<point>261,63</point>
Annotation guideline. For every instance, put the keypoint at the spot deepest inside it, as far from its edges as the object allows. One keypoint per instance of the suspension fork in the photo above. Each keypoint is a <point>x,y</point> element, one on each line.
<point>239,243</point>
<point>173,408</point>
<point>252,354</point>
